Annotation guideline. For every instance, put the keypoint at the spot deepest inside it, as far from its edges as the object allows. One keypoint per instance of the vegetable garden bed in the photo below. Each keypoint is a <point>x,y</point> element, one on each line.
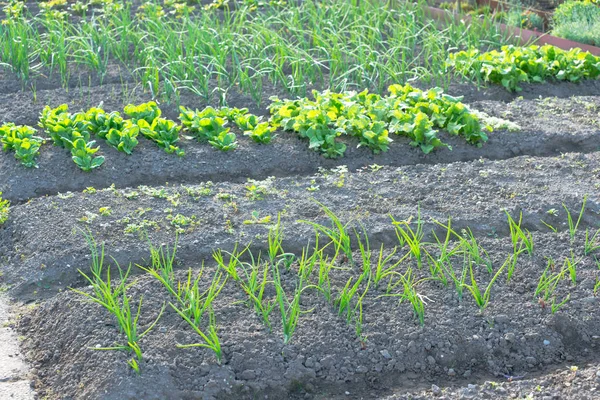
<point>415,242</point>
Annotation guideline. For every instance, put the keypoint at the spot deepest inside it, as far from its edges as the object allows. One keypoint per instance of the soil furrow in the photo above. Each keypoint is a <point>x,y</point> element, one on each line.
<point>43,246</point>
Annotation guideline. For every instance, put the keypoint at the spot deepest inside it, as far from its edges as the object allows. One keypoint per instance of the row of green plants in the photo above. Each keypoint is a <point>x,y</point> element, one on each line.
<point>406,111</point>
<point>578,21</point>
<point>73,131</point>
<point>340,45</point>
<point>513,65</point>
<point>260,276</point>
<point>209,125</point>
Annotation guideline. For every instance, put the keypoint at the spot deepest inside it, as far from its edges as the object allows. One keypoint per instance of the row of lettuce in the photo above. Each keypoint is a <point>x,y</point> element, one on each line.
<point>511,65</point>
<point>406,111</point>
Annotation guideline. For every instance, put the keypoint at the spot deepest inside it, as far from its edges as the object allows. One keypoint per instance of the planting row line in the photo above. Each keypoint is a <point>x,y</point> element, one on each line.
<point>317,270</point>
<point>407,111</point>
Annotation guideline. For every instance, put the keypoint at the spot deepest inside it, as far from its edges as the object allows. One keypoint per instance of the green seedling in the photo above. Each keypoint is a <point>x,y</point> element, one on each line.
<point>518,236</point>
<point>210,340</point>
<point>381,270</point>
<point>512,265</point>
<point>571,266</point>
<point>257,219</point>
<point>554,306</point>
<point>413,238</point>
<point>231,266</point>
<point>254,280</point>
<point>206,125</point>
<point>344,300</point>
<point>125,139</point>
<point>482,299</point>
<point>338,233</point>
<point>592,243</point>
<point>22,140</point>
<point>324,281</point>
<point>365,252</point>
<point>262,133</point>
<point>306,263</point>
<point>100,123</point>
<point>409,293</point>
<point>224,141</point>
<point>192,301</point>
<point>114,298</point>
<point>83,155</point>
<point>162,261</point>
<point>246,122</point>
<point>289,309</point>
<point>234,114</point>
<point>4,209</point>
<point>548,281</point>
<point>574,225</point>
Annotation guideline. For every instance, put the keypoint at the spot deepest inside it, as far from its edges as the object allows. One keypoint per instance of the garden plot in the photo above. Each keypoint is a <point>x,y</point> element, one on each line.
<point>327,246</point>
<point>515,333</point>
<point>542,313</point>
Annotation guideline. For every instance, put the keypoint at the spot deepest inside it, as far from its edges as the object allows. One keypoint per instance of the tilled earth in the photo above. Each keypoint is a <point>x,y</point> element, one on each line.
<point>516,348</point>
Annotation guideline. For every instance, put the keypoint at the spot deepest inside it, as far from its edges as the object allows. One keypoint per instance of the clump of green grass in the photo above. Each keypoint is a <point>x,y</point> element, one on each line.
<point>573,225</point>
<point>113,297</point>
<point>412,238</point>
<point>337,233</point>
<point>191,301</point>
<point>246,50</point>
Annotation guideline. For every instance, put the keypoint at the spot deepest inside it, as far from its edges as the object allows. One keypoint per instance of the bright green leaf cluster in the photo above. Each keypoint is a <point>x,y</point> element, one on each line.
<point>247,122</point>
<point>100,123</point>
<point>163,132</point>
<point>119,133</point>
<point>370,117</point>
<point>146,111</point>
<point>4,206</point>
<point>22,141</point>
<point>63,127</point>
<point>124,139</point>
<point>260,133</point>
<point>208,126</point>
<point>232,114</point>
<point>83,155</point>
<point>512,65</point>
<point>71,131</point>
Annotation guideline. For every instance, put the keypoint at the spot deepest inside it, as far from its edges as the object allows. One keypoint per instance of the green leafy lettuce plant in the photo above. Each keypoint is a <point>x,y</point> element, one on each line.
<point>145,111</point>
<point>164,132</point>
<point>22,141</point>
